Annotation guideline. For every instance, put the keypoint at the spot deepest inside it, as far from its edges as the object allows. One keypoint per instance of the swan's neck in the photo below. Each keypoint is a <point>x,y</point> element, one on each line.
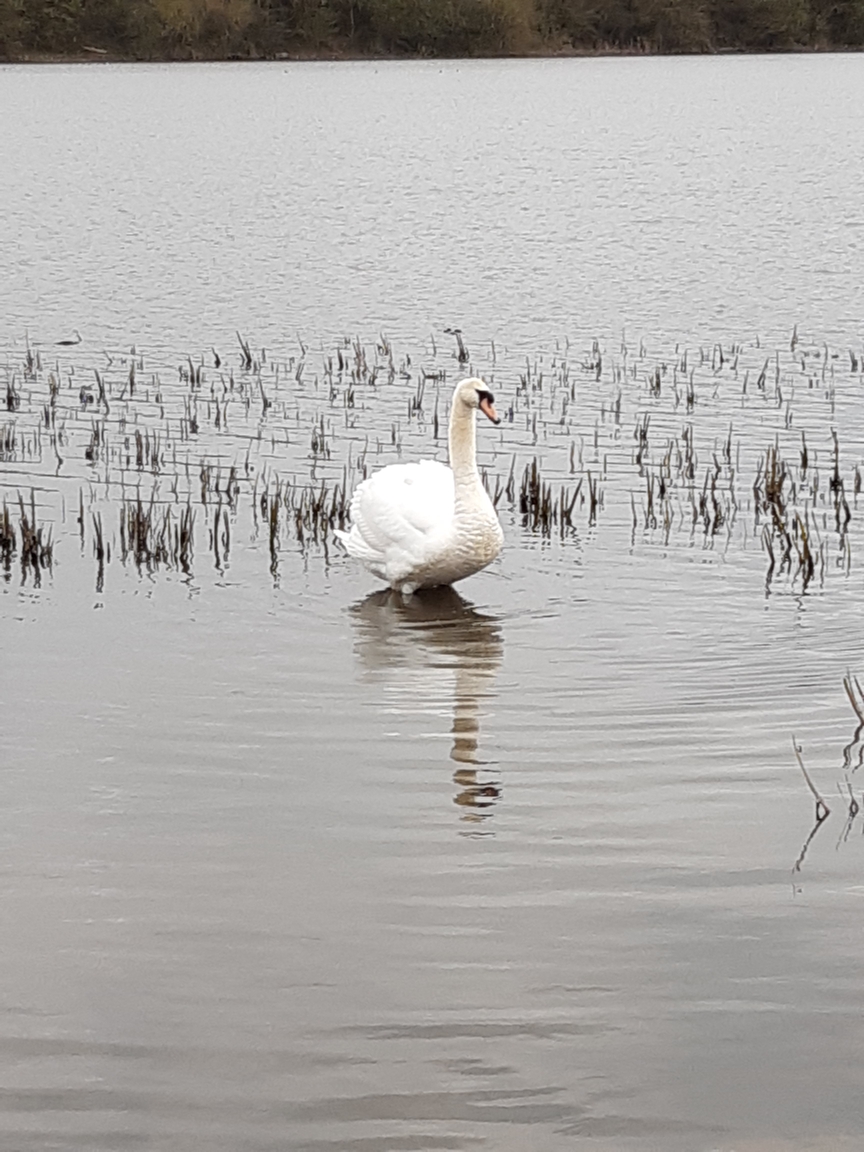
<point>463,447</point>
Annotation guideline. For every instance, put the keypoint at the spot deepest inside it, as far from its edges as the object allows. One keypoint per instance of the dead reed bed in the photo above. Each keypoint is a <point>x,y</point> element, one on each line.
<point>30,541</point>
<point>169,456</point>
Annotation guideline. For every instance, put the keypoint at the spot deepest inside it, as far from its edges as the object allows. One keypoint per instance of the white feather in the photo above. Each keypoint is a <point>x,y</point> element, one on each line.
<point>401,517</point>
<point>422,525</point>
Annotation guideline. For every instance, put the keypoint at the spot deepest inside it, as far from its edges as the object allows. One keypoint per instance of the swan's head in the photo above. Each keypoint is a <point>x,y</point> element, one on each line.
<point>473,393</point>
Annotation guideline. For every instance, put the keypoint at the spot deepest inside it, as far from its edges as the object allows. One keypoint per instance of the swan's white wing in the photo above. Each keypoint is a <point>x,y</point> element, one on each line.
<point>401,518</point>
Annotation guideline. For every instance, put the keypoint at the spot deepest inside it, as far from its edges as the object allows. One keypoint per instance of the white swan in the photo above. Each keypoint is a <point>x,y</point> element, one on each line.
<point>423,525</point>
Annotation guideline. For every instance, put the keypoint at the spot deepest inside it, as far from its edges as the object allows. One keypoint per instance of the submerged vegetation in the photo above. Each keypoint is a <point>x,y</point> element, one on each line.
<point>255,29</point>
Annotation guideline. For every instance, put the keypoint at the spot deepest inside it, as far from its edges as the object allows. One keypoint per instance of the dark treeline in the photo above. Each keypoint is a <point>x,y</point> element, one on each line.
<point>219,29</point>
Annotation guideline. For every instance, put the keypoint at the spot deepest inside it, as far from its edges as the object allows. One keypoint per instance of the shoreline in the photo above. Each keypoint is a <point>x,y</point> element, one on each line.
<point>95,55</point>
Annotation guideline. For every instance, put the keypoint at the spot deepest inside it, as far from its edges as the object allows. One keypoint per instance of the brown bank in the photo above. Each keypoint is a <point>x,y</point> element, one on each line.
<point>78,30</point>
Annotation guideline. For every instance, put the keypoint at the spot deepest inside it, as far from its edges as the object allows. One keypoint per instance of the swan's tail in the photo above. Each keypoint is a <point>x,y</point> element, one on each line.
<point>356,545</point>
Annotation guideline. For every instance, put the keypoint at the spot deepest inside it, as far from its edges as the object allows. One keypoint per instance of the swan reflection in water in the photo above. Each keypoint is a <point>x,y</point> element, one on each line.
<point>439,650</point>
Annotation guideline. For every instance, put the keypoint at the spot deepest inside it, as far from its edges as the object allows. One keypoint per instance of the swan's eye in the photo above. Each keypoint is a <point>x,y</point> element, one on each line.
<point>485,395</point>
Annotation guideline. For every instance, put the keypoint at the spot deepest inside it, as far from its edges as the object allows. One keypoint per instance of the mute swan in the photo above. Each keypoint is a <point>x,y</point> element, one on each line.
<point>423,525</point>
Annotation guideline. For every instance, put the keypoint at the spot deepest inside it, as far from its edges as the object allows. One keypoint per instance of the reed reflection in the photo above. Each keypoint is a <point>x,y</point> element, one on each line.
<point>437,651</point>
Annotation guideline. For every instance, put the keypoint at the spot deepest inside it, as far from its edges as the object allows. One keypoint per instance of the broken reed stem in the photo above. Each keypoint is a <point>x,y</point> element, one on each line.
<point>847,684</point>
<point>822,809</point>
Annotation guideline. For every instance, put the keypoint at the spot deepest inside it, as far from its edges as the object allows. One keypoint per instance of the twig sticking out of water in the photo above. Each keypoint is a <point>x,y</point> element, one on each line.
<point>848,681</point>
<point>99,551</point>
<point>7,541</point>
<point>247,354</point>
<point>462,354</point>
<point>820,820</point>
<point>822,809</point>
<point>13,396</point>
<point>856,699</point>
<point>100,384</point>
<point>852,812</point>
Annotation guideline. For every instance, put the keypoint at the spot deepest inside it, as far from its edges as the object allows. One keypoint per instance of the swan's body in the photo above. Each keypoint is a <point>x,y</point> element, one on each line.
<point>423,525</point>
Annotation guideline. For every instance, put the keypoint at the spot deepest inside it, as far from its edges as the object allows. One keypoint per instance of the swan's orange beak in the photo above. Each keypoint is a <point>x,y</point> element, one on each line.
<point>488,409</point>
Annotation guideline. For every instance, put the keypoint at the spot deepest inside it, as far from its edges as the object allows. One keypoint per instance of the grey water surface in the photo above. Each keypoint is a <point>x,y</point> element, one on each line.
<point>292,863</point>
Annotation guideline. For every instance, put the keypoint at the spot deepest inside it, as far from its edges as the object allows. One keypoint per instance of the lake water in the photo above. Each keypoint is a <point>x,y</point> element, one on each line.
<point>290,863</point>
